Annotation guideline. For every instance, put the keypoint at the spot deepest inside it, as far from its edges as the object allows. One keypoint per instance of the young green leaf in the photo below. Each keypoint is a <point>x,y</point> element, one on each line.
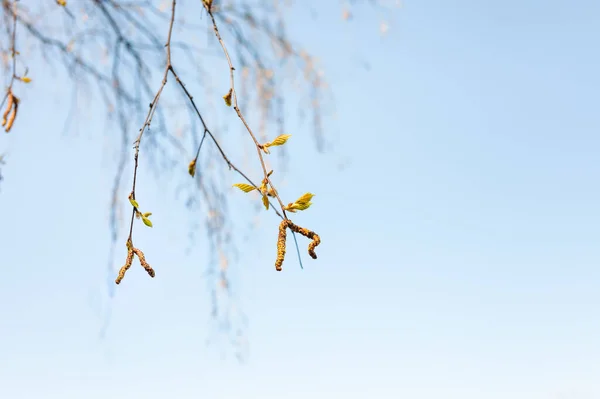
<point>305,198</point>
<point>134,203</point>
<point>265,202</point>
<point>301,203</point>
<point>279,140</point>
<point>297,207</point>
<point>146,221</point>
<point>192,168</point>
<point>244,187</point>
<point>227,97</point>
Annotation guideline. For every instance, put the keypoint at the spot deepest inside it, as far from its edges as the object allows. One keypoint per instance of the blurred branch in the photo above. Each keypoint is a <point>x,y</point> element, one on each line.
<point>116,47</point>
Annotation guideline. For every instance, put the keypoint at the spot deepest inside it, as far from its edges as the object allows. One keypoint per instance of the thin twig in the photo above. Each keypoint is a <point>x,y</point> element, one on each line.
<point>150,115</point>
<point>213,138</point>
<point>237,108</point>
<point>13,50</point>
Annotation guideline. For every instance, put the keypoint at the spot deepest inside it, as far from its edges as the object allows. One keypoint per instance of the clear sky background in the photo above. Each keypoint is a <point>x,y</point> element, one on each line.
<point>460,254</point>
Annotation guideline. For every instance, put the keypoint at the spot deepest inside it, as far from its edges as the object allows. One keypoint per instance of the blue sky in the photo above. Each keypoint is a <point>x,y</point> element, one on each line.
<point>460,240</point>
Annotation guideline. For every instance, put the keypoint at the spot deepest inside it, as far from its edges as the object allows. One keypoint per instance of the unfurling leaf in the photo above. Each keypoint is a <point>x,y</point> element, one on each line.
<point>146,221</point>
<point>227,97</point>
<point>280,140</point>
<point>305,198</point>
<point>134,202</point>
<point>147,214</point>
<point>266,202</point>
<point>263,187</point>
<point>25,79</point>
<point>301,203</point>
<point>192,168</point>
<point>62,3</point>
<point>244,187</point>
<point>293,207</point>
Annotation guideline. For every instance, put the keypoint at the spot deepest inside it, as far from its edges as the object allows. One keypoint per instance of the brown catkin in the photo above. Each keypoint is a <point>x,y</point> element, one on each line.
<point>125,267</point>
<point>281,245</point>
<point>316,240</point>
<point>145,264</point>
<point>9,105</point>
<point>13,115</point>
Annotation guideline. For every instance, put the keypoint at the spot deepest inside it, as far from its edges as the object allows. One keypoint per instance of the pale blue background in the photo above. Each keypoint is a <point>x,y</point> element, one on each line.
<point>460,254</point>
